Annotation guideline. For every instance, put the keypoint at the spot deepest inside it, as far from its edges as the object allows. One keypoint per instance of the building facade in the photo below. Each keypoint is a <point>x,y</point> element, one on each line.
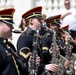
<point>50,7</point>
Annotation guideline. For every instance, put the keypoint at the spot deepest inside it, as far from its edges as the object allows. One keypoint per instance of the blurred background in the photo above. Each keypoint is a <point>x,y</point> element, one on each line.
<point>50,7</point>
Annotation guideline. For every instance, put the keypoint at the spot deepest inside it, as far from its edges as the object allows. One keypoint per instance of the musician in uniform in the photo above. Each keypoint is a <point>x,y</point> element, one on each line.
<point>64,32</point>
<point>70,42</point>
<point>52,23</point>
<point>33,19</point>
<point>48,41</point>
<point>8,64</point>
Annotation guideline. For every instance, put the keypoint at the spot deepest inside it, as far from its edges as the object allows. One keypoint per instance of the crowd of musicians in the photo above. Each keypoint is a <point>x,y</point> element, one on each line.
<point>43,48</point>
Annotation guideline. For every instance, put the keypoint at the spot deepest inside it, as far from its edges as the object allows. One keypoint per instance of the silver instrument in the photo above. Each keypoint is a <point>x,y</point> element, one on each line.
<point>70,69</point>
<point>54,54</point>
<point>32,67</point>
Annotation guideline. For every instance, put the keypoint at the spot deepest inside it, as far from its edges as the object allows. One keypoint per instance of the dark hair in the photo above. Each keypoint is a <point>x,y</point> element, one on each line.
<point>27,21</point>
<point>21,24</point>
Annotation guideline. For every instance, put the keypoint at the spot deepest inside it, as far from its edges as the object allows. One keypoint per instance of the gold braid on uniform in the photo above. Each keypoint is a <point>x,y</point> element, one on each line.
<point>13,58</point>
<point>16,65</point>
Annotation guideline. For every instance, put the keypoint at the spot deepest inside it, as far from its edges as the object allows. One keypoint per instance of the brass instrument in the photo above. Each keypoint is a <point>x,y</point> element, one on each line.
<point>54,59</point>
<point>70,69</point>
<point>61,65</point>
<point>32,67</point>
<point>57,58</point>
<point>54,54</point>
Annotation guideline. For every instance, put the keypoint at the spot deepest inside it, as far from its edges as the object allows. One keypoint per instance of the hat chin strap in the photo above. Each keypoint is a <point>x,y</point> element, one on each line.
<point>7,22</point>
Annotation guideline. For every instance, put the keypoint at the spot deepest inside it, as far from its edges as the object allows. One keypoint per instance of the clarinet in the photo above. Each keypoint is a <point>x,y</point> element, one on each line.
<point>32,67</point>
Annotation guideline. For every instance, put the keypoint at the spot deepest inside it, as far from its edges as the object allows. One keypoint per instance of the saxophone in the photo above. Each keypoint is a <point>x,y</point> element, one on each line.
<point>54,54</point>
<point>70,69</point>
<point>57,58</point>
<point>32,67</point>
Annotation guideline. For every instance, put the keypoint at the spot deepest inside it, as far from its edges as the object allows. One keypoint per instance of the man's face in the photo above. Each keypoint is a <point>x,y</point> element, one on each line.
<point>67,4</point>
<point>6,30</point>
<point>37,23</point>
<point>54,26</point>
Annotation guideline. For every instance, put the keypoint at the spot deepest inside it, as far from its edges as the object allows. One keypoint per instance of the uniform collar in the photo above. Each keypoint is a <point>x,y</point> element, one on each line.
<point>29,28</point>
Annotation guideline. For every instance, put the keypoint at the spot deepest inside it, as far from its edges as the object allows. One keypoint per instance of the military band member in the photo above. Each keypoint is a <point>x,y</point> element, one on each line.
<point>54,26</point>
<point>69,42</point>
<point>64,34</point>
<point>33,19</point>
<point>8,64</point>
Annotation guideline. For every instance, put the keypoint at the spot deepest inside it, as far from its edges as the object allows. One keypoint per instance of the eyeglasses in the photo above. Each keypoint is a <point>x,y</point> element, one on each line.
<point>67,3</point>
